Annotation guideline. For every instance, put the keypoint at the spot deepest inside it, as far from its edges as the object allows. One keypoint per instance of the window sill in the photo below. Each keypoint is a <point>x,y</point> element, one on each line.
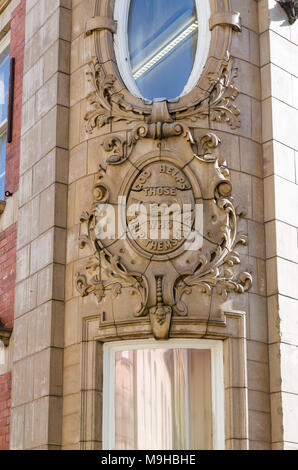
<point>2,206</point>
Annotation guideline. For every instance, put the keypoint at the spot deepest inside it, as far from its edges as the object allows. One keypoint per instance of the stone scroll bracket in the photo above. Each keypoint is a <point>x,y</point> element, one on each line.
<point>100,23</point>
<point>226,18</point>
<point>223,18</point>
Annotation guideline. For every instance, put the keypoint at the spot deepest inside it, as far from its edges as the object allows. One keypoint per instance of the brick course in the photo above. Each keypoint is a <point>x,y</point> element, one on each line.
<point>5,397</point>
<point>7,274</point>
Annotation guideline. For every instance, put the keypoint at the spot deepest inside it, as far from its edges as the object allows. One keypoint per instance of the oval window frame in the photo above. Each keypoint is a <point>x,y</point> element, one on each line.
<point>121,48</point>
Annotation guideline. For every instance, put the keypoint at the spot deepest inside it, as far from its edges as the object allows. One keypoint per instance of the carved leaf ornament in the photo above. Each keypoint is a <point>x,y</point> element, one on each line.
<point>215,270</point>
<point>108,105</point>
<point>90,282</point>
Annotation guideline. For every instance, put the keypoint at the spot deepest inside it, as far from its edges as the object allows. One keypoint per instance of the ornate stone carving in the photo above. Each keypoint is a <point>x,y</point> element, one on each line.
<point>91,283</point>
<point>116,149</point>
<point>100,191</point>
<point>158,272</point>
<point>161,314</point>
<point>107,105</point>
<point>156,184</point>
<point>214,269</point>
<point>101,261</point>
<point>222,94</point>
<point>119,150</point>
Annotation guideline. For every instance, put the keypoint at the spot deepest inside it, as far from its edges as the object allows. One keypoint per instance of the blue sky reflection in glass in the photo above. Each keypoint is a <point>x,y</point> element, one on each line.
<point>162,37</point>
<point>4,77</point>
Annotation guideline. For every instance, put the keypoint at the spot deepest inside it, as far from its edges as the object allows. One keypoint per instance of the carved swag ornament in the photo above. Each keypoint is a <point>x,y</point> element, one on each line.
<point>169,275</point>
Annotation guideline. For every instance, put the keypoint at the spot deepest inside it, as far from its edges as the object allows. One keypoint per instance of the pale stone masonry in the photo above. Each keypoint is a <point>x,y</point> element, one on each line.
<point>39,307</point>
<point>279,74</point>
<point>56,348</point>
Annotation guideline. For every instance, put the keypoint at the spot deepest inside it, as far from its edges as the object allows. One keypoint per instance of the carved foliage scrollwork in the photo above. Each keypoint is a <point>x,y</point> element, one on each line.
<point>119,150</point>
<point>115,147</point>
<point>106,104</point>
<point>215,270</point>
<point>219,105</point>
<point>102,262</point>
<point>224,93</point>
<point>100,98</point>
<point>216,267</point>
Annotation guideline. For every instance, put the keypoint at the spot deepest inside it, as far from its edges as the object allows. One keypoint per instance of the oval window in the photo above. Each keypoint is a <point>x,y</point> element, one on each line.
<point>161,45</point>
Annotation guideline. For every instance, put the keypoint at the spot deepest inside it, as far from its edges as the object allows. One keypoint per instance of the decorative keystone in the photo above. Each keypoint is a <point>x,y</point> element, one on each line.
<point>161,314</point>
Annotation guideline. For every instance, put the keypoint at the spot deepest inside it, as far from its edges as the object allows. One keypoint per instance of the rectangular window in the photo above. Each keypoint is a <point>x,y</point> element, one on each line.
<point>163,395</point>
<point>4,79</point>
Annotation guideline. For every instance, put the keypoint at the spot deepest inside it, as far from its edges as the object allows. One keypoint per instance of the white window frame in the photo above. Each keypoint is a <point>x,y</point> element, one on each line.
<point>217,377</point>
<point>121,14</point>
<point>4,44</point>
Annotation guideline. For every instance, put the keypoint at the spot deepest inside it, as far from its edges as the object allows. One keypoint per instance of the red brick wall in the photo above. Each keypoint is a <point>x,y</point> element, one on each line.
<point>17,42</point>
<point>5,391</point>
<point>7,274</point>
<point>8,238</point>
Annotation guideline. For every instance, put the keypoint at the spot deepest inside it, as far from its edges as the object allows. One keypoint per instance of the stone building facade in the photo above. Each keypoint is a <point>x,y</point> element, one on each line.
<point>81,140</point>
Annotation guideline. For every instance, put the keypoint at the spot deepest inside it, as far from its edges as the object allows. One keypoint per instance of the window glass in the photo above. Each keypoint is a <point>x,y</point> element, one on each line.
<point>2,165</point>
<point>163,38</point>
<point>4,77</point>
<point>163,399</point>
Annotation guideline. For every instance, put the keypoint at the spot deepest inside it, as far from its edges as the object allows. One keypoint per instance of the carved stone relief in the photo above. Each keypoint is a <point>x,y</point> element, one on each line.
<point>106,105</point>
<point>170,274</point>
<point>157,161</point>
